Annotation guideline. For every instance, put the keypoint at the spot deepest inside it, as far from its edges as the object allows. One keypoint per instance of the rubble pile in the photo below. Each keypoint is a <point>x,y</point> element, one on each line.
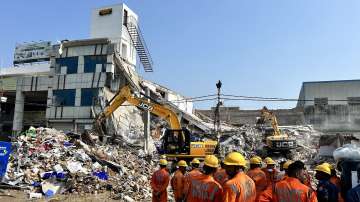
<point>249,140</point>
<point>48,162</point>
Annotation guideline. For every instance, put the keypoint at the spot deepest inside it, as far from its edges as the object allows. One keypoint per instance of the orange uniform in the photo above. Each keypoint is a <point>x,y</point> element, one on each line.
<point>220,176</point>
<point>271,177</point>
<point>159,182</point>
<point>291,189</point>
<point>259,178</point>
<point>266,195</point>
<point>240,188</point>
<point>203,188</point>
<point>187,178</point>
<point>177,184</point>
<point>337,182</point>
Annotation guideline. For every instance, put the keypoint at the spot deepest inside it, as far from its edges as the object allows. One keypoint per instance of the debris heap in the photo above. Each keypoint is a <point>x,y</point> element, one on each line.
<point>248,140</point>
<point>46,162</point>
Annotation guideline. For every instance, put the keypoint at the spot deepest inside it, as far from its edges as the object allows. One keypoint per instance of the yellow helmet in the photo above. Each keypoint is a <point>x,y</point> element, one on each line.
<point>269,161</point>
<point>163,156</point>
<point>211,161</point>
<point>287,163</point>
<point>163,162</point>
<point>328,165</point>
<point>323,168</point>
<point>235,158</point>
<point>255,160</point>
<point>195,161</point>
<point>182,163</point>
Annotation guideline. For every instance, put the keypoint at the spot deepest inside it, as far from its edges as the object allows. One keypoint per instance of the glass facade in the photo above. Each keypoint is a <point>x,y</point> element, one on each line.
<point>70,62</point>
<point>88,95</point>
<point>91,61</point>
<point>64,97</point>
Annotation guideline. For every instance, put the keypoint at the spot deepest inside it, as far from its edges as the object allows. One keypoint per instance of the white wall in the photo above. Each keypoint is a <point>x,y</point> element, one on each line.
<point>183,105</point>
<point>111,26</point>
<point>334,90</point>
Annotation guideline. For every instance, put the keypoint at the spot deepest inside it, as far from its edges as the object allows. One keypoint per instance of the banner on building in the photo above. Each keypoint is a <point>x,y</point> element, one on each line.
<point>32,52</point>
<point>5,149</point>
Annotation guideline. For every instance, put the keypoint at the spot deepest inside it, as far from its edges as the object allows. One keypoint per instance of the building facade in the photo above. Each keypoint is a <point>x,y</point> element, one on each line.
<point>82,76</point>
<point>331,105</point>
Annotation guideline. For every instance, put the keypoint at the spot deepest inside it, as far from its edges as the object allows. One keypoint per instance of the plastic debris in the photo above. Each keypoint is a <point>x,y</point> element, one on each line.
<point>347,152</point>
<point>50,162</point>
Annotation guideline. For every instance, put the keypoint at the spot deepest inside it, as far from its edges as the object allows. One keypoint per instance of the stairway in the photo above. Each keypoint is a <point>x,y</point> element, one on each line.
<point>139,44</point>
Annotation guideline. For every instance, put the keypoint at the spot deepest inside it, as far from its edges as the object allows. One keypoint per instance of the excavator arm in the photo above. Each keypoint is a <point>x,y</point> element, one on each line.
<point>267,115</point>
<point>125,94</point>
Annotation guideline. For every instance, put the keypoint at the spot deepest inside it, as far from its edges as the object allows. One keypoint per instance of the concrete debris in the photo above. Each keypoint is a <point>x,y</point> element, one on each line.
<point>249,140</point>
<point>47,162</point>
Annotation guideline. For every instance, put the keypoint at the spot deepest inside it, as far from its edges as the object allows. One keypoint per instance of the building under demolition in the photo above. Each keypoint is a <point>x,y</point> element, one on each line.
<point>72,82</point>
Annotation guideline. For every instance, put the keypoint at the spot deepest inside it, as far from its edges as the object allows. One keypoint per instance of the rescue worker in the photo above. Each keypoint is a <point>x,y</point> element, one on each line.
<point>195,163</point>
<point>286,167</point>
<point>334,178</point>
<point>177,181</point>
<point>270,171</point>
<point>203,187</point>
<point>239,187</point>
<point>257,175</point>
<point>353,195</point>
<point>220,175</point>
<point>159,182</point>
<point>326,191</point>
<point>292,188</point>
<point>267,194</point>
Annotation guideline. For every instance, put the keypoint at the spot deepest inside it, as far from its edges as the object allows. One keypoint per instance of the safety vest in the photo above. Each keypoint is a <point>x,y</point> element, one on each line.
<point>187,178</point>
<point>240,188</point>
<point>220,176</point>
<point>291,189</point>
<point>203,188</point>
<point>177,184</point>
<point>159,182</point>
<point>259,178</point>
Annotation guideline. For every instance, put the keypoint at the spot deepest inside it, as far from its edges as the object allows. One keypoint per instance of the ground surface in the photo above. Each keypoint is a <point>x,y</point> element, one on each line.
<point>17,196</point>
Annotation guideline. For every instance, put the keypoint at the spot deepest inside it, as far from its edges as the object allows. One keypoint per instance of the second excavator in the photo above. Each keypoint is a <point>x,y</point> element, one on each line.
<point>276,141</point>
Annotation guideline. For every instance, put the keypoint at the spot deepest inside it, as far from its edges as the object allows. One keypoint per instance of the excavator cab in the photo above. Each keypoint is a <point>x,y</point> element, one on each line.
<point>173,141</point>
<point>178,144</point>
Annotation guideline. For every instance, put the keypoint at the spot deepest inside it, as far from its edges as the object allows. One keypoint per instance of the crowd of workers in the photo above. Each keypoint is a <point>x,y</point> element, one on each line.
<point>233,181</point>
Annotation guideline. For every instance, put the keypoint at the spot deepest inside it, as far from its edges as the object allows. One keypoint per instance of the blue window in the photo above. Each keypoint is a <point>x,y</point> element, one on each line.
<point>70,62</point>
<point>90,62</point>
<point>88,95</point>
<point>64,97</point>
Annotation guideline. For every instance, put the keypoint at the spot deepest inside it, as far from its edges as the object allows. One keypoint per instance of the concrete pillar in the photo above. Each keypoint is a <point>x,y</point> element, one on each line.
<point>147,125</point>
<point>19,111</point>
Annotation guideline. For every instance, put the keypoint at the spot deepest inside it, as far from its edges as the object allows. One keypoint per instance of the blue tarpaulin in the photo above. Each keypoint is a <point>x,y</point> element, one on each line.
<point>5,149</point>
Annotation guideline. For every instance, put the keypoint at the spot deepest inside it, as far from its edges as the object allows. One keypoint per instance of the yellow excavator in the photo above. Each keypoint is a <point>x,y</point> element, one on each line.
<point>276,141</point>
<point>176,142</point>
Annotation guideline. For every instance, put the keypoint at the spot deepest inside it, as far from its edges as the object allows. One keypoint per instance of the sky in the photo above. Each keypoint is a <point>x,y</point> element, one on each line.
<point>256,48</point>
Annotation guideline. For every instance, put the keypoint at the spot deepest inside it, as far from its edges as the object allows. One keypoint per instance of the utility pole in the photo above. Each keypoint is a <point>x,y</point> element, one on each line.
<point>147,124</point>
<point>217,109</point>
